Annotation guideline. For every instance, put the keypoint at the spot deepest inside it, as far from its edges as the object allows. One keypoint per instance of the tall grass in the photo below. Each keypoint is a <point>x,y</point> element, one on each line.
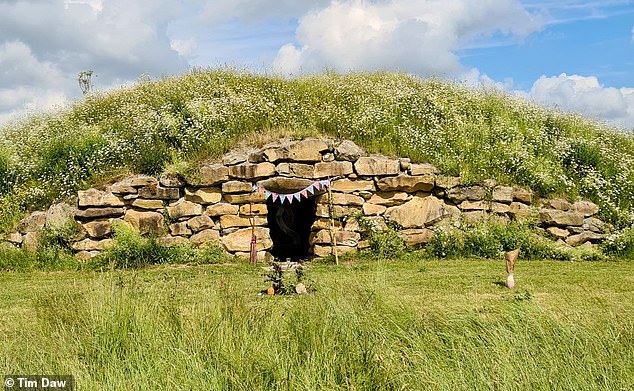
<point>475,133</point>
<point>369,326</point>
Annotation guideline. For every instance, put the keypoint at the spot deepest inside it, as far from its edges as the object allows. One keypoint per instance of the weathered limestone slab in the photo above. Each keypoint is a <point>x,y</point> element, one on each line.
<point>241,240</point>
<point>447,182</point>
<point>233,187</point>
<point>558,232</point>
<point>471,193</point>
<point>284,185</point>
<point>416,236</point>
<point>349,186</point>
<point>205,237</point>
<point>142,203</point>
<point>205,195</point>
<point>98,198</point>
<point>159,193</point>
<point>595,225</point>
<point>300,170</point>
<point>344,238</point>
<point>122,187</point>
<point>407,183</point>
<point>559,204</point>
<point>373,209</point>
<point>308,150</point>
<point>324,223</point>
<point>390,198</point>
<point>342,199</point>
<point>14,237</point>
<point>252,171</point>
<point>255,197</point>
<point>254,209</point>
<point>322,251</point>
<point>423,169</point>
<point>184,208</point>
<point>475,205</point>
<point>500,208</point>
<point>234,157</point>
<point>586,236</point>
<point>171,179</point>
<point>229,221</point>
<point>180,229</point>
<point>221,209</point>
<point>94,213</point>
<point>332,169</point>
<point>144,222</point>
<point>522,195</point>
<point>200,223</point>
<point>348,150</point>
<point>376,166</point>
<point>328,157</point>
<point>209,175</point>
<point>586,208</point>
<point>141,180</point>
<point>519,209</point>
<point>561,218</point>
<point>503,194</point>
<point>173,241</point>
<point>417,213</point>
<point>92,245</point>
<point>275,153</point>
<point>58,215</point>
<point>98,229</point>
<point>322,210</point>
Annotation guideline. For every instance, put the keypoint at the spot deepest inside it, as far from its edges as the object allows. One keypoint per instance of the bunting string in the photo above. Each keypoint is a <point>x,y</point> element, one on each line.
<point>297,196</point>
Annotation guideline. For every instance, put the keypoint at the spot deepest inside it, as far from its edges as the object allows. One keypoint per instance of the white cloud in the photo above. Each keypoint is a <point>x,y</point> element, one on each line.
<point>219,11</point>
<point>27,83</point>
<point>584,94</point>
<point>418,36</point>
<point>184,47</point>
<point>44,45</point>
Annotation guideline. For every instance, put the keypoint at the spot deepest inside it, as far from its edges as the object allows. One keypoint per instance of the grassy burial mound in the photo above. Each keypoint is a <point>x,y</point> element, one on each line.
<point>175,123</point>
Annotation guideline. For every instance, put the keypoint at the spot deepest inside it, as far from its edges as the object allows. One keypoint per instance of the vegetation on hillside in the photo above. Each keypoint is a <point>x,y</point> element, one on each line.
<point>476,133</point>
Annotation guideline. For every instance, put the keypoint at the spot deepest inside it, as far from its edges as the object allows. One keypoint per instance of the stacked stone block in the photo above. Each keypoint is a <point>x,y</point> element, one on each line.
<point>217,204</point>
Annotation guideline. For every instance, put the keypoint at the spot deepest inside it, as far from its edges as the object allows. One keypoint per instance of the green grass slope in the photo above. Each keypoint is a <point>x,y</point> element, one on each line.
<point>389,325</point>
<point>181,120</point>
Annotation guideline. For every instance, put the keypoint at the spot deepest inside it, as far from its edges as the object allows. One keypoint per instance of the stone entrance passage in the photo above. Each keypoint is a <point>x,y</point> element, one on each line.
<point>290,228</point>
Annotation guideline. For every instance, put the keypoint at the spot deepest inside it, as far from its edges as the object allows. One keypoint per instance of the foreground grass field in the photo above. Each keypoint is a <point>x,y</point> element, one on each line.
<point>441,325</point>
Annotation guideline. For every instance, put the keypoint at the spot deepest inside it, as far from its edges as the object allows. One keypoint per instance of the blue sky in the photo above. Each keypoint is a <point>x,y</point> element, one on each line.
<point>575,55</point>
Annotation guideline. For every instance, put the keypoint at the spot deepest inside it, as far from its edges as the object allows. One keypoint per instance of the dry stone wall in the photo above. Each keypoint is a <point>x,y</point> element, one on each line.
<point>216,203</point>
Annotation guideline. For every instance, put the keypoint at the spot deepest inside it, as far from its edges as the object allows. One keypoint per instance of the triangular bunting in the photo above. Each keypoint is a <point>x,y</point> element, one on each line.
<point>317,185</point>
<point>297,196</point>
<point>274,195</point>
<point>311,189</point>
<point>267,194</point>
<point>304,193</point>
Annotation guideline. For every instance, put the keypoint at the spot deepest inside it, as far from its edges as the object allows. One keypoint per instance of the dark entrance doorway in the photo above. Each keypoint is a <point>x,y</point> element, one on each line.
<point>289,226</point>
